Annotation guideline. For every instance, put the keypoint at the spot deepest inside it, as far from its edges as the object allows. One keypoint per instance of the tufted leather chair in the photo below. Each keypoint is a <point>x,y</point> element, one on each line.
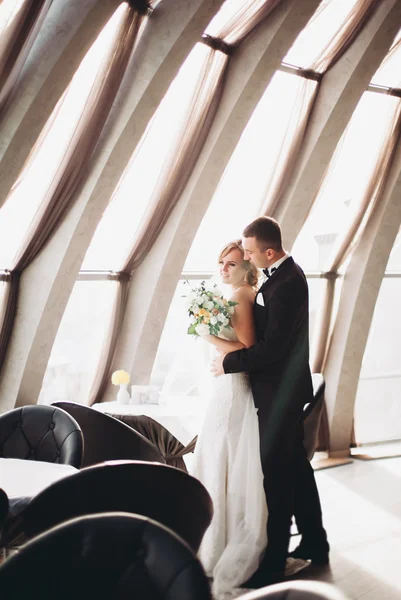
<point>108,556</point>
<point>41,433</point>
<point>107,438</point>
<point>296,590</point>
<point>165,494</point>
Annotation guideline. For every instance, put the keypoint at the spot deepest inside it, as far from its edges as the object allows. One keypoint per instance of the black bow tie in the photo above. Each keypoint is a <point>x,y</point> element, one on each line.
<point>268,273</point>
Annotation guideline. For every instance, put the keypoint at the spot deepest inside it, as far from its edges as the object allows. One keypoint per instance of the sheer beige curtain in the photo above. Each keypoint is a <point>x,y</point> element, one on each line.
<point>372,197</point>
<point>182,159</point>
<point>73,167</point>
<point>301,114</point>
<point>322,327</point>
<point>388,74</point>
<point>344,36</point>
<point>287,152</point>
<point>8,307</point>
<point>104,368</point>
<point>16,39</point>
<point>236,19</point>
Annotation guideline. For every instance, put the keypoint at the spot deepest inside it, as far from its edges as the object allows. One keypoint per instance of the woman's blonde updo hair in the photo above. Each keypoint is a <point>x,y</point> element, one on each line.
<point>251,272</point>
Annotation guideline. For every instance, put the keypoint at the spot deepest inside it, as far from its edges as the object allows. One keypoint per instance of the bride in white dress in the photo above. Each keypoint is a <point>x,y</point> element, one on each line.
<point>227,455</point>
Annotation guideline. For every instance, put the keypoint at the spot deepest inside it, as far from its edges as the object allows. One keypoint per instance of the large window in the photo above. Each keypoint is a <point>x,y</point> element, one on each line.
<point>31,193</point>
<point>321,33</point>
<point>79,342</point>
<point>180,356</point>
<point>9,10</point>
<point>252,172</point>
<point>377,415</point>
<point>346,181</point>
<point>151,160</point>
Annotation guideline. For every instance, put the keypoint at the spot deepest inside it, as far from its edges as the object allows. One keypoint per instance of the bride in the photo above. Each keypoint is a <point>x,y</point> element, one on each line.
<point>227,456</point>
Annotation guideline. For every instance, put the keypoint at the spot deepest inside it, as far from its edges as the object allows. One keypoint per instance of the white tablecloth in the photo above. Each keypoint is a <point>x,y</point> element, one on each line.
<point>24,479</point>
<point>181,415</point>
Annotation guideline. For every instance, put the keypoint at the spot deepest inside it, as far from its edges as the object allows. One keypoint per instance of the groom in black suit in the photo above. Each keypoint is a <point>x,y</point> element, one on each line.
<point>280,376</point>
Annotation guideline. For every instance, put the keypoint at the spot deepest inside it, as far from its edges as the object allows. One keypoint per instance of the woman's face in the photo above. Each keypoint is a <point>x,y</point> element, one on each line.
<point>231,267</point>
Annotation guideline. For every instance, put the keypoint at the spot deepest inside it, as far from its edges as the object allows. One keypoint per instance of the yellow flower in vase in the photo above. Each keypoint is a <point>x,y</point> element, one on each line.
<point>122,379</point>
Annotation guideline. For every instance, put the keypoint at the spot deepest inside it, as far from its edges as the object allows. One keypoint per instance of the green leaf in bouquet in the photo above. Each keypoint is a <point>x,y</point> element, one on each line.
<point>191,329</point>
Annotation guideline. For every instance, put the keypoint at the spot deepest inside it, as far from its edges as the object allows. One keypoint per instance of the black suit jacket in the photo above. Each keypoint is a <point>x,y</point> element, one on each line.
<point>278,363</point>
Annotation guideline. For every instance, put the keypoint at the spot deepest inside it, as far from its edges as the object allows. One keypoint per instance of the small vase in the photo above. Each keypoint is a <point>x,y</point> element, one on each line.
<point>123,396</point>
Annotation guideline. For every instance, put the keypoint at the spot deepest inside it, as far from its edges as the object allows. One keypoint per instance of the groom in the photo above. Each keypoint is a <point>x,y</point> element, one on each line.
<point>278,365</point>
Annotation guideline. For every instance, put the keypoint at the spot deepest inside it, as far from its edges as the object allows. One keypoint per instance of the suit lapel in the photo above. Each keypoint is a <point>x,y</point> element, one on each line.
<point>284,265</point>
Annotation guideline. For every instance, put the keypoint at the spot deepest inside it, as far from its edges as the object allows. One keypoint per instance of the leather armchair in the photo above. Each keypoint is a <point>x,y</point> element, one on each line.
<point>41,433</point>
<point>165,494</point>
<point>107,438</point>
<point>111,555</point>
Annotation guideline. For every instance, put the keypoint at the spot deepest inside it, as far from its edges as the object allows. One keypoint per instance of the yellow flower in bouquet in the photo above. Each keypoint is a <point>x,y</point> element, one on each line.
<point>120,377</point>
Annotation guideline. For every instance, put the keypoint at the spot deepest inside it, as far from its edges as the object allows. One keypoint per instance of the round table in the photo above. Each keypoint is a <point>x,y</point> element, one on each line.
<point>24,479</point>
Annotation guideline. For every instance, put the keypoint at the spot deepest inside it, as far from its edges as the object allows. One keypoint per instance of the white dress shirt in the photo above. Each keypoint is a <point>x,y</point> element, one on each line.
<point>278,262</point>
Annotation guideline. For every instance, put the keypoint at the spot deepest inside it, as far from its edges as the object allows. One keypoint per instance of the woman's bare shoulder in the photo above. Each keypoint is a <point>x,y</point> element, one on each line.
<point>245,293</point>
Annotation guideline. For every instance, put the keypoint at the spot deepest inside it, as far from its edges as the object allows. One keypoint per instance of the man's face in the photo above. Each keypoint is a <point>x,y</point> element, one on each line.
<point>255,255</point>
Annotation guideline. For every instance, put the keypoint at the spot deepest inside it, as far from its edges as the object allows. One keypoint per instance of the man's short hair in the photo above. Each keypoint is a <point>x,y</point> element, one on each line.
<point>267,233</point>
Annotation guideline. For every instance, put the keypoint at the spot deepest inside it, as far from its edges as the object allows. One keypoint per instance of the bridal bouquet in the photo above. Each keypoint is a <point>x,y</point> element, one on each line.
<point>208,310</point>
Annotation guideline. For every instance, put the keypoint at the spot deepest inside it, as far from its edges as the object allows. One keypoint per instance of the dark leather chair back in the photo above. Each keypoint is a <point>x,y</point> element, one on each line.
<point>107,438</point>
<point>43,433</point>
<point>4,505</point>
<point>297,590</point>
<point>165,494</point>
<point>312,415</point>
<point>109,556</point>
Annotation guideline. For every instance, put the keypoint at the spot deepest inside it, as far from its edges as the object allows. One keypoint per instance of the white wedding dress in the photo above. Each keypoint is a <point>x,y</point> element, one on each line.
<point>227,462</point>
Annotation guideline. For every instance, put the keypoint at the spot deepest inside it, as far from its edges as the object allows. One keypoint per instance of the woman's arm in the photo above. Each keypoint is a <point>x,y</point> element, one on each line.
<point>224,345</point>
<point>242,322</point>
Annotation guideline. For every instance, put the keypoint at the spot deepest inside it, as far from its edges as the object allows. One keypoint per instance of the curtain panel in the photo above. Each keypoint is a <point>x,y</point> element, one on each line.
<point>371,200</point>
<point>300,118</point>
<point>236,20</point>
<point>74,165</point>
<point>103,372</point>
<point>16,40</point>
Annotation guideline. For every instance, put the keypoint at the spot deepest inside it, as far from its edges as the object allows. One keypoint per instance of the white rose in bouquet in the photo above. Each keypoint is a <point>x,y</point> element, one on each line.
<point>202,329</point>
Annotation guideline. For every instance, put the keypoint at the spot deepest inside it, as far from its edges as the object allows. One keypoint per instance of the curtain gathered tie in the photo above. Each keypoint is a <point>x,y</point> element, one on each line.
<point>218,44</point>
<point>143,7</point>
